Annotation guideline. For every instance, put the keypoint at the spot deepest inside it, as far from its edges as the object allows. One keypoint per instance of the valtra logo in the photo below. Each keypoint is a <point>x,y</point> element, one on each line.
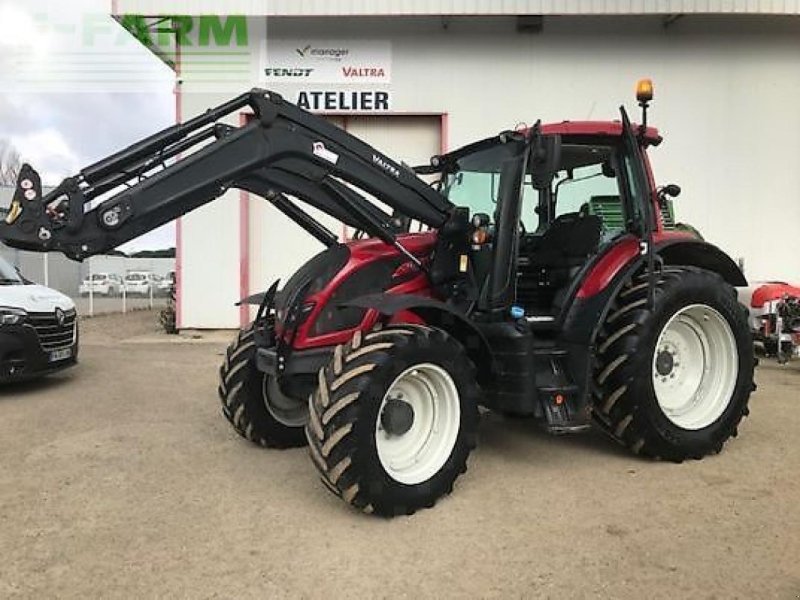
<point>357,72</point>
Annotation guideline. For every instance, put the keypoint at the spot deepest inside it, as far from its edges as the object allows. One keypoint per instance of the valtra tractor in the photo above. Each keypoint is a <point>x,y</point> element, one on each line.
<point>535,278</point>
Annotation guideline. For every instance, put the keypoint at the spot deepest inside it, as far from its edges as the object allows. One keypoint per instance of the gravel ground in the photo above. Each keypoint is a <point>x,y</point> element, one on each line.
<point>121,479</point>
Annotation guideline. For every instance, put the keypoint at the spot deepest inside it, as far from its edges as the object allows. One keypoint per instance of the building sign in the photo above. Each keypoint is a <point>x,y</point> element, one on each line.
<point>327,61</point>
<point>345,101</point>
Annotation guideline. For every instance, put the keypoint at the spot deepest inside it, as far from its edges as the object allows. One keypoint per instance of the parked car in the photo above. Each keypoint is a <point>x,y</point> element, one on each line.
<point>38,328</point>
<point>102,284</point>
<point>138,283</point>
<point>166,284</point>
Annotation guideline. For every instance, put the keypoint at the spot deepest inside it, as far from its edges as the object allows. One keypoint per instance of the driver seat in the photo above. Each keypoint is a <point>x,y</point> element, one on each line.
<point>568,242</point>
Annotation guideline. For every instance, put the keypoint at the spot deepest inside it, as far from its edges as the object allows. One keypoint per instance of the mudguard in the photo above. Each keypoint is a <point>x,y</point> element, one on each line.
<point>596,288</point>
<point>437,314</point>
<point>697,253</point>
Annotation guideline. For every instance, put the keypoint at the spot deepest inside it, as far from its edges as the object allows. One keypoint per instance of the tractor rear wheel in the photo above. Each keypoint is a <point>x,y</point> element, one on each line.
<point>253,402</point>
<point>394,418</point>
<point>673,381</point>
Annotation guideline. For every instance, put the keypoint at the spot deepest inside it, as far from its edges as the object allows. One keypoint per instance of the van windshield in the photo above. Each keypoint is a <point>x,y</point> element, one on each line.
<point>9,275</point>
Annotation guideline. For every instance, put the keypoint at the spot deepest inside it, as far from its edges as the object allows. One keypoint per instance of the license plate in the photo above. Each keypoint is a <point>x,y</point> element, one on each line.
<point>60,354</point>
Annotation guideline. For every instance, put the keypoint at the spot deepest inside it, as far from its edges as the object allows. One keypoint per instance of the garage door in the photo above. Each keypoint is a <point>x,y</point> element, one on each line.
<point>411,139</point>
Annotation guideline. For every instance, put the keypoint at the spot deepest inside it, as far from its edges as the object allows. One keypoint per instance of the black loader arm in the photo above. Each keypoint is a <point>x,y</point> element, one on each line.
<point>283,150</point>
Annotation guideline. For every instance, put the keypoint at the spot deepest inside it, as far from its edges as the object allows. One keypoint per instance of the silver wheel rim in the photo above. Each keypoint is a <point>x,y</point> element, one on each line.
<point>419,453</point>
<point>287,411</point>
<point>695,367</point>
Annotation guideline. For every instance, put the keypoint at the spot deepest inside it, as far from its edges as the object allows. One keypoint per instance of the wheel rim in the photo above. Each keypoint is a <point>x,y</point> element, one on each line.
<point>414,450</point>
<point>695,367</point>
<point>284,409</point>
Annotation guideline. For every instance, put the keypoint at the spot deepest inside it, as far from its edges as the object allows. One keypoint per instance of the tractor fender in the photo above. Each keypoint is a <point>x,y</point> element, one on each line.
<point>436,314</point>
<point>697,253</point>
<point>601,283</point>
<point>258,298</point>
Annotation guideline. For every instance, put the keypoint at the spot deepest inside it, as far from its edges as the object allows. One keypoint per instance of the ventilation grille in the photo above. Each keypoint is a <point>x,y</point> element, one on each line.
<point>53,336</point>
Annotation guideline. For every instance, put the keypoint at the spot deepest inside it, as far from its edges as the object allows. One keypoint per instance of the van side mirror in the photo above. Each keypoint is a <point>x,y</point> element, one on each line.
<point>545,159</point>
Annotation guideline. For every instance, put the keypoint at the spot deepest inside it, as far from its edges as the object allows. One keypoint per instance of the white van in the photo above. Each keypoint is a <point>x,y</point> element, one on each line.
<point>38,328</point>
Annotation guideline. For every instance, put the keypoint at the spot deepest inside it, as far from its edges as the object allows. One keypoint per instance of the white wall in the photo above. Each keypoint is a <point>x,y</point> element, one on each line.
<point>725,94</point>
<point>726,90</point>
<point>209,244</point>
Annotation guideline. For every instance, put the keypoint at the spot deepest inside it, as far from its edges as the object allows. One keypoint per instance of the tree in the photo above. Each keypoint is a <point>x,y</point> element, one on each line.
<point>10,163</point>
<point>165,253</point>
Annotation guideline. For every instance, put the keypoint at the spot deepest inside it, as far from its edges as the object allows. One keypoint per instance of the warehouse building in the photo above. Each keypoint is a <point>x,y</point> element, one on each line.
<point>416,78</point>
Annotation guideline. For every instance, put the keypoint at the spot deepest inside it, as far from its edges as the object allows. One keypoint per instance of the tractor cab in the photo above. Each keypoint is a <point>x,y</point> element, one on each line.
<point>541,225</point>
<point>593,200</point>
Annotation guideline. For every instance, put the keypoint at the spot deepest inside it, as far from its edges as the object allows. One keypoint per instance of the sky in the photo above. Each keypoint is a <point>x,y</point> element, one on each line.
<point>77,87</point>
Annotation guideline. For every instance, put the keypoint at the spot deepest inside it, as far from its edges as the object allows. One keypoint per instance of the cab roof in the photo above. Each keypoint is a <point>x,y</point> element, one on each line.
<point>599,128</point>
<point>564,128</point>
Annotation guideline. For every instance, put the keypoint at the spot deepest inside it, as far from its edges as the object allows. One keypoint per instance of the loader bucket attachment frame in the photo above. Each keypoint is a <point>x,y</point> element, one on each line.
<point>283,151</point>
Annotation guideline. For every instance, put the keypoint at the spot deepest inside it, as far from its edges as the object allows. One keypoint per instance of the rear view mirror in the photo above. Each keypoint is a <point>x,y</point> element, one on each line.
<point>670,190</point>
<point>545,160</point>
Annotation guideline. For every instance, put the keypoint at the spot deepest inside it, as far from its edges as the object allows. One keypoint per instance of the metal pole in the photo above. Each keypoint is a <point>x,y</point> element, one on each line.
<point>91,289</point>
<point>46,257</point>
<point>150,287</point>
<point>124,296</point>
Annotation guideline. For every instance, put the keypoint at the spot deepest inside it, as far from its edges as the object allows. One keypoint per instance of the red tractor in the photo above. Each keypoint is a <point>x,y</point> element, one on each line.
<point>539,281</point>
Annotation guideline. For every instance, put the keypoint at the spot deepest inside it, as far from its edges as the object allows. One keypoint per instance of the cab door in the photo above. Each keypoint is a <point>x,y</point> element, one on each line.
<point>638,201</point>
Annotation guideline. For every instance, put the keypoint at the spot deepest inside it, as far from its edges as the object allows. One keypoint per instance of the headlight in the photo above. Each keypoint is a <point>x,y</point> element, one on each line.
<point>11,316</point>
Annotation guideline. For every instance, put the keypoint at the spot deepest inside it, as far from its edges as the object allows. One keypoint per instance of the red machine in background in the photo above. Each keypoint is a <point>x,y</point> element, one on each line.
<point>774,317</point>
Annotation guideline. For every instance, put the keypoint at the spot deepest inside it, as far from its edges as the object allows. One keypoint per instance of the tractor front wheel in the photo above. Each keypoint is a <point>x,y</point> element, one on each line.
<point>394,418</point>
<point>252,401</point>
<point>673,380</point>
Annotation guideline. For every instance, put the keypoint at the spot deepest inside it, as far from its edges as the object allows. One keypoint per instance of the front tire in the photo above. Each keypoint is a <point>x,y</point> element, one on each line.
<point>252,401</point>
<point>394,418</point>
<point>673,381</point>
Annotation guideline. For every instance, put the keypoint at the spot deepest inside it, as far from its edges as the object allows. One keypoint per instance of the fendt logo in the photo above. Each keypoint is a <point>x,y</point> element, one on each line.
<point>287,72</point>
<point>324,53</point>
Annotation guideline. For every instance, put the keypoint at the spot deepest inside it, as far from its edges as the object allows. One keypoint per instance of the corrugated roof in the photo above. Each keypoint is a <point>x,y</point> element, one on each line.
<point>453,7</point>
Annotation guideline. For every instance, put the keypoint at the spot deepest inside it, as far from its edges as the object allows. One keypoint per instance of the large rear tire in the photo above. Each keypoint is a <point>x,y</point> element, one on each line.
<point>394,418</point>
<point>253,403</point>
<point>673,381</point>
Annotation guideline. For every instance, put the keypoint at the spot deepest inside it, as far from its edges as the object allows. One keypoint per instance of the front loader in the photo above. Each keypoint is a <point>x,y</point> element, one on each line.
<point>542,283</point>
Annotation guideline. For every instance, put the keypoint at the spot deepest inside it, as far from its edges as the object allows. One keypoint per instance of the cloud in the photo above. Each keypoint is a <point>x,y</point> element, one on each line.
<point>47,149</point>
<point>89,126</point>
<point>59,131</point>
